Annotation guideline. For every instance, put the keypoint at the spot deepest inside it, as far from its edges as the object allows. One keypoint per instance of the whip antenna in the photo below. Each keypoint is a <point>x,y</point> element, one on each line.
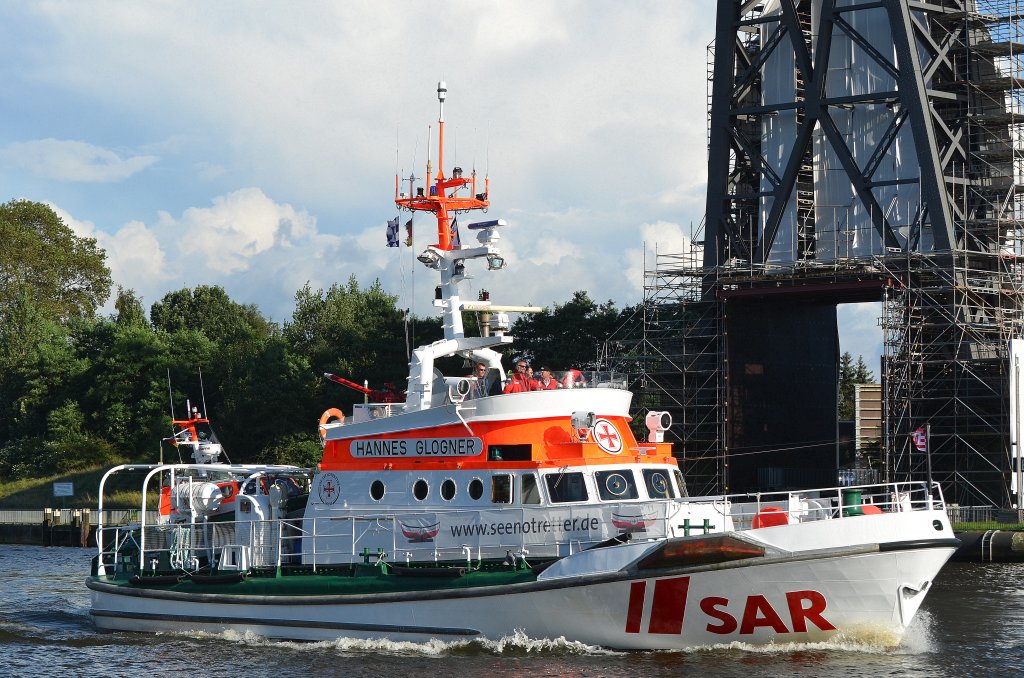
<point>170,395</point>
<point>202,392</point>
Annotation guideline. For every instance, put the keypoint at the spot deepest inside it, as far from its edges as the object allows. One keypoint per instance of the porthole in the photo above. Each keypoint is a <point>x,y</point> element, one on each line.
<point>420,489</point>
<point>616,484</point>
<point>448,489</point>
<point>377,490</point>
<point>476,489</point>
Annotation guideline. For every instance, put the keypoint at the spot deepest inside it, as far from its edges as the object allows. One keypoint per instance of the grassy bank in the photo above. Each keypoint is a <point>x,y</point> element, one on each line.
<point>37,493</point>
<point>988,525</point>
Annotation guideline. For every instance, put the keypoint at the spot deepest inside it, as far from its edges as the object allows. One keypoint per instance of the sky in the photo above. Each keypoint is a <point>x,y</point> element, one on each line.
<point>254,145</point>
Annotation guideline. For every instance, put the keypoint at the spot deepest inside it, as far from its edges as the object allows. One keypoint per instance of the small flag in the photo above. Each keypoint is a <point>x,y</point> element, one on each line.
<point>408,233</point>
<point>920,439</point>
<point>456,240</point>
<point>393,232</point>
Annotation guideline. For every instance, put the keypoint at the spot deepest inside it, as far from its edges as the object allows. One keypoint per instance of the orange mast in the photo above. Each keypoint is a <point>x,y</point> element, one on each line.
<point>437,198</point>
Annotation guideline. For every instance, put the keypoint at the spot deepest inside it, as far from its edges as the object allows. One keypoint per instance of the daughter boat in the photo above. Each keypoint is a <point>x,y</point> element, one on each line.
<point>459,514</point>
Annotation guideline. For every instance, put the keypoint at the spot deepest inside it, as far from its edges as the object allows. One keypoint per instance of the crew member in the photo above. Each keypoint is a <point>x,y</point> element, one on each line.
<point>546,381</point>
<point>518,383</point>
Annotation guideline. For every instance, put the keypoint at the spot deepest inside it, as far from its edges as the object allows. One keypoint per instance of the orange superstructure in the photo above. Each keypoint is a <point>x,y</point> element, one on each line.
<point>551,442</point>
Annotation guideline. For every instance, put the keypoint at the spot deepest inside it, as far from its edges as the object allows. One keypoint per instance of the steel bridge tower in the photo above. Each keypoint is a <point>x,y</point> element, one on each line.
<point>857,150</point>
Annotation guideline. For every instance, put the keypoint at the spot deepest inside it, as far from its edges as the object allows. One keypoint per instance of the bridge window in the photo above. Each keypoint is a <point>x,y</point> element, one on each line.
<point>448,489</point>
<point>377,490</point>
<point>680,483</point>
<point>658,484</point>
<point>501,489</point>
<point>509,452</point>
<point>616,485</point>
<point>476,489</point>
<point>420,489</point>
<point>566,487</point>
<point>529,491</point>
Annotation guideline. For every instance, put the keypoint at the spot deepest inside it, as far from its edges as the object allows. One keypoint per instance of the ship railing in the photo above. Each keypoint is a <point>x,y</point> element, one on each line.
<point>397,537</point>
<point>454,534</point>
<point>369,411</point>
<point>151,522</point>
<point>122,545</point>
<point>834,502</point>
<point>972,514</point>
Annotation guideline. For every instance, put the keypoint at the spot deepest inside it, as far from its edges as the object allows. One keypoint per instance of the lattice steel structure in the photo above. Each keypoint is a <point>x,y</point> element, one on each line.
<point>857,150</point>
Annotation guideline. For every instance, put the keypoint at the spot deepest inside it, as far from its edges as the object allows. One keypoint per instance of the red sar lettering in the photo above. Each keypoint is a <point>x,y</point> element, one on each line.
<point>668,608</point>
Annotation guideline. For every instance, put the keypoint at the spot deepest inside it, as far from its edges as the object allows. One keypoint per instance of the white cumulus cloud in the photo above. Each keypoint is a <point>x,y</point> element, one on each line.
<point>239,226</point>
<point>661,237</point>
<point>76,161</point>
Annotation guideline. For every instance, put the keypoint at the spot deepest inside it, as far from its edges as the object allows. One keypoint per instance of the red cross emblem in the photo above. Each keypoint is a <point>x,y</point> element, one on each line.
<point>329,489</point>
<point>607,436</point>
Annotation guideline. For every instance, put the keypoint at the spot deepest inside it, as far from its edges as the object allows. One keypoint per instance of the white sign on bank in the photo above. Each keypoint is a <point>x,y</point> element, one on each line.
<point>416,447</point>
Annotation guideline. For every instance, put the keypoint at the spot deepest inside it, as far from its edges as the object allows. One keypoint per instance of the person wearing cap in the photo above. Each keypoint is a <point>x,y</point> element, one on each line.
<point>519,382</point>
<point>546,381</point>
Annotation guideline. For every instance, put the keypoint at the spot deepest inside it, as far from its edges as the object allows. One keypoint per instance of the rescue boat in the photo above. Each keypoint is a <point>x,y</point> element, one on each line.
<point>463,512</point>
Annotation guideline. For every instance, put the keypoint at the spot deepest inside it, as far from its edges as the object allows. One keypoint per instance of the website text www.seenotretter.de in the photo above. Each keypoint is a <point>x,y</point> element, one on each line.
<point>532,526</point>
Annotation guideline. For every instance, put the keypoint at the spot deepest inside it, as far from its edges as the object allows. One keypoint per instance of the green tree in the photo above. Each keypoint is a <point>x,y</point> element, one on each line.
<point>69,446</point>
<point>569,335</point>
<point>269,408</point>
<point>209,310</point>
<point>130,312</point>
<point>38,368</point>
<point>851,374</point>
<point>861,373</point>
<point>125,391</point>
<point>356,333</point>
<point>66,276</point>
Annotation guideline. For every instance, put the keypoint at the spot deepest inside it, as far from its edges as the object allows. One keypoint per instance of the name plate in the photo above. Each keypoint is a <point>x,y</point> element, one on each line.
<point>416,447</point>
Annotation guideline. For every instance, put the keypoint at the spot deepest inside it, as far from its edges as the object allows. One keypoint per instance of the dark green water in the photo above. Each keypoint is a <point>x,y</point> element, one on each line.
<point>970,625</point>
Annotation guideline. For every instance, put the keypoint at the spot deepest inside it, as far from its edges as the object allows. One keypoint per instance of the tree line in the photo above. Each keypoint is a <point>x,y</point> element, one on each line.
<point>80,389</point>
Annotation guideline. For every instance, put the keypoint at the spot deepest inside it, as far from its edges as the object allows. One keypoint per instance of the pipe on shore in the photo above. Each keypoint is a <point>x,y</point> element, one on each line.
<point>990,546</point>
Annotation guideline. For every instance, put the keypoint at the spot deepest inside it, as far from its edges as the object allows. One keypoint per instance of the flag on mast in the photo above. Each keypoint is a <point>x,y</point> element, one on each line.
<point>456,240</point>
<point>920,439</point>
<point>393,232</point>
<point>408,233</point>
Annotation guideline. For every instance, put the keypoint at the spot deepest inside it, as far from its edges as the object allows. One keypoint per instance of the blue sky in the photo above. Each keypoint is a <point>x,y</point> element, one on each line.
<point>254,144</point>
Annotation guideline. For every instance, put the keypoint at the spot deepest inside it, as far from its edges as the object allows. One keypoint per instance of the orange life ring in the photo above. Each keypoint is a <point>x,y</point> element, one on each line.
<point>330,416</point>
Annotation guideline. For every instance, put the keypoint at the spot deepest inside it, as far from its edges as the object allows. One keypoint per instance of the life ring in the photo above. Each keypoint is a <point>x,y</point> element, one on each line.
<point>330,416</point>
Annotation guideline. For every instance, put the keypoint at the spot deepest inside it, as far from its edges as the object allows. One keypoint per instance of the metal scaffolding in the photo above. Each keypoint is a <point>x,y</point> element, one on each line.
<point>949,317</point>
<point>858,151</point>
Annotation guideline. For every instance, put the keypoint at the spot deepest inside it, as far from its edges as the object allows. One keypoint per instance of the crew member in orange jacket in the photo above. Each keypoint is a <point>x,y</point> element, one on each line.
<point>519,383</point>
<point>546,381</point>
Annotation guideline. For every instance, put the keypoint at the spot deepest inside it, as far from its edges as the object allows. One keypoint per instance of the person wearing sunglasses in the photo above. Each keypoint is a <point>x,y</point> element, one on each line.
<point>519,382</point>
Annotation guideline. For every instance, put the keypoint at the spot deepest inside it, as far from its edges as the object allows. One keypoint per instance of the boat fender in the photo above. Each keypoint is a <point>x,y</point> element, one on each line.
<point>154,580</point>
<point>770,516</point>
<point>330,416</point>
<point>232,578</point>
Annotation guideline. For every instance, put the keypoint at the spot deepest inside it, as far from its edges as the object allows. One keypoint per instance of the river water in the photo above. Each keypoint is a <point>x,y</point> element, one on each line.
<point>970,625</point>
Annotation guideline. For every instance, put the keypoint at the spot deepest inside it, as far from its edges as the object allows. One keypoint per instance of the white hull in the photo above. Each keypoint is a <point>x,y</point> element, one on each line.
<point>780,599</point>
